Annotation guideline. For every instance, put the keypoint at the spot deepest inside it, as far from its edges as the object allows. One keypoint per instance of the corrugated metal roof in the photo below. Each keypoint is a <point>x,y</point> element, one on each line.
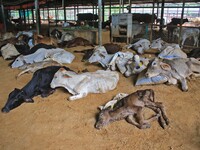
<point>87,2</point>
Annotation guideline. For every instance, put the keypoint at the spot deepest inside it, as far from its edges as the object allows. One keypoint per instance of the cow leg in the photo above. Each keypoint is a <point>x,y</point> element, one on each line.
<point>184,86</point>
<point>78,96</point>
<point>46,93</point>
<point>158,108</point>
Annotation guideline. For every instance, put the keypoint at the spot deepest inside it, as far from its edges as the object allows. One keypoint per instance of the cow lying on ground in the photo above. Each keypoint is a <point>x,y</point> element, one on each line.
<point>135,66</point>
<point>36,66</point>
<point>194,53</point>
<point>38,85</point>
<point>9,51</point>
<point>140,46</point>
<point>110,61</point>
<point>161,45</point>
<point>79,85</point>
<point>7,35</point>
<point>45,40</point>
<point>168,50</point>
<point>78,41</point>
<point>110,48</point>
<point>57,54</point>
<point>61,36</point>
<point>132,106</point>
<point>187,33</point>
<point>175,70</point>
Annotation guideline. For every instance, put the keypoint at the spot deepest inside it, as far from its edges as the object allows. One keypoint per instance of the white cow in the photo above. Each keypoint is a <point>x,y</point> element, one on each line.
<point>187,33</point>
<point>79,85</point>
<point>28,33</point>
<point>137,28</point>
<point>141,46</point>
<point>7,35</point>
<point>110,61</point>
<point>8,51</point>
<point>171,53</point>
<point>135,66</point>
<point>57,54</point>
<point>161,45</point>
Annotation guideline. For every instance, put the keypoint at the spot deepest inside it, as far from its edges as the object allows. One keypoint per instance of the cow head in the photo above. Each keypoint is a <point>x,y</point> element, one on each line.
<point>99,54</point>
<point>19,61</point>
<point>156,68</point>
<point>15,99</point>
<point>157,44</point>
<point>59,77</point>
<point>103,119</point>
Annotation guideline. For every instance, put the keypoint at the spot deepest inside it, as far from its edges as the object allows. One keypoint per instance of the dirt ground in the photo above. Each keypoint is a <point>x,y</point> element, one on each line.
<point>54,123</point>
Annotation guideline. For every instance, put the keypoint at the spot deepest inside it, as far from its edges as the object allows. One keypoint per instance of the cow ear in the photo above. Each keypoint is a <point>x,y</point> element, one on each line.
<point>165,66</point>
<point>29,100</point>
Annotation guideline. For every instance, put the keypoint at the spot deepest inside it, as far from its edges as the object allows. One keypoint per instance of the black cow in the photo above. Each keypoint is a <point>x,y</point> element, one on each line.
<point>194,53</point>
<point>38,85</point>
<point>173,25</point>
<point>56,33</point>
<point>25,49</point>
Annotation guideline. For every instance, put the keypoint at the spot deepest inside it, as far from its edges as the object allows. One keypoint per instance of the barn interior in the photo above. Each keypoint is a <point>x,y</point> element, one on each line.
<point>54,122</point>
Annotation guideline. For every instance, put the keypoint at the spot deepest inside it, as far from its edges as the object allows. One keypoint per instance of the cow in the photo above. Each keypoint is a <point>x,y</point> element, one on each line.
<point>9,51</point>
<point>7,35</point>
<point>132,106</point>
<point>174,70</point>
<point>187,33</point>
<point>61,36</point>
<point>87,16</point>
<point>140,46</point>
<point>137,29</point>
<point>79,85</point>
<point>170,53</point>
<point>173,25</point>
<point>78,41</point>
<point>160,45</point>
<point>111,48</point>
<point>44,39</point>
<point>135,66</point>
<point>36,66</point>
<point>59,55</point>
<point>26,50</point>
<point>110,60</point>
<point>38,85</point>
<point>194,53</point>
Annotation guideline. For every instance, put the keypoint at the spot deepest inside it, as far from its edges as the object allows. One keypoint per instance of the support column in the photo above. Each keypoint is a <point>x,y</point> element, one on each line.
<point>179,38</point>
<point>152,21</point>
<point>64,5</point>
<point>37,13</point>
<point>3,17</point>
<point>161,18</point>
<point>100,22</point>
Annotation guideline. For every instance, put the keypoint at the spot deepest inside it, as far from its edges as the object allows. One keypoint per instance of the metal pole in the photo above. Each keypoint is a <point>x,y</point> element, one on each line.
<point>37,13</point>
<point>152,19</point>
<point>179,38</point>
<point>32,15</point>
<point>64,5</point>
<point>162,12</point>
<point>103,10</point>
<point>129,11</point>
<point>48,19</point>
<point>100,22</point>
<point>3,16</point>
